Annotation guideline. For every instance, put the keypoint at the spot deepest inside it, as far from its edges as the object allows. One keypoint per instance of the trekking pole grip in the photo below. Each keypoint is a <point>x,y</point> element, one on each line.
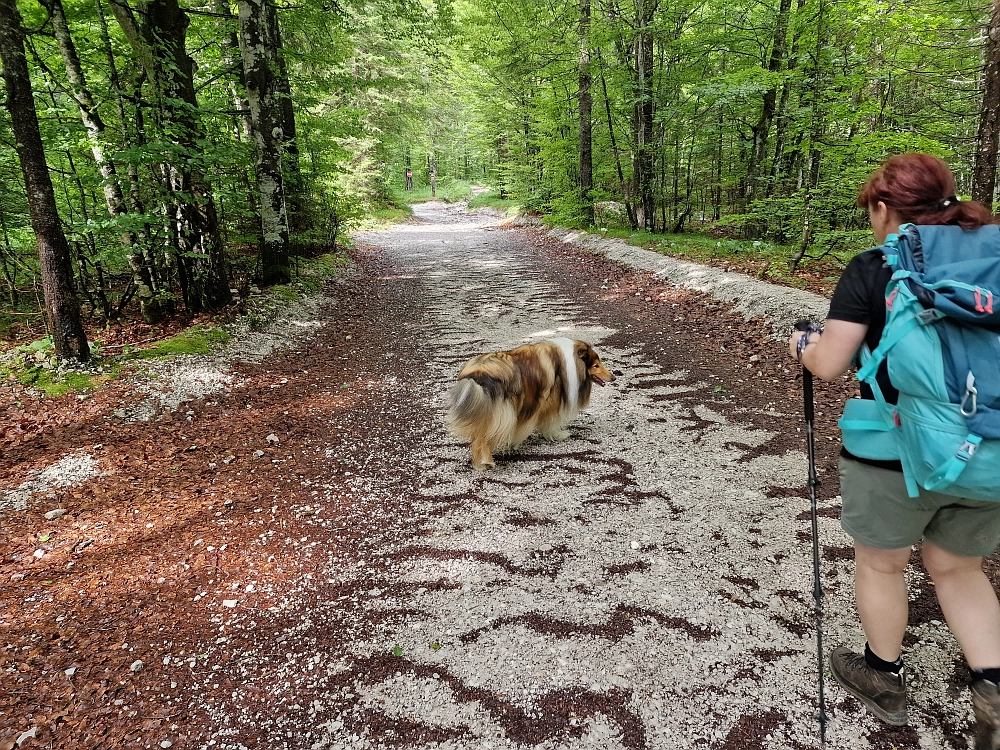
<point>807,378</point>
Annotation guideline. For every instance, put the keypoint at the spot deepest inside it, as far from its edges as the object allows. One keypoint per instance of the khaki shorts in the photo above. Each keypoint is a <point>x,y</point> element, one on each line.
<point>877,512</point>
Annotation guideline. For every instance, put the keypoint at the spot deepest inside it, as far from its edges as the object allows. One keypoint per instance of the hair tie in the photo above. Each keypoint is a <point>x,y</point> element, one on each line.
<point>945,202</point>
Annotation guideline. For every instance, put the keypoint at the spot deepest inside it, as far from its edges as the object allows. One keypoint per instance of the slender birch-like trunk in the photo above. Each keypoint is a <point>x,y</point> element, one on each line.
<point>642,167</point>
<point>257,48</point>
<point>763,127</point>
<point>811,171</point>
<point>294,185</point>
<point>229,45</point>
<point>586,116</point>
<point>159,42</point>
<point>984,174</point>
<point>114,198</point>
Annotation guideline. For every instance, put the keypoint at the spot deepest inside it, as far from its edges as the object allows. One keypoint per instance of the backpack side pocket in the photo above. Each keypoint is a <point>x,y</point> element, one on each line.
<point>868,430</point>
<point>934,437</point>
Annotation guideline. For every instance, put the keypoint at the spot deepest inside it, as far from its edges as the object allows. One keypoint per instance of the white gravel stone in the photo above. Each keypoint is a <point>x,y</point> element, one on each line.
<point>66,472</point>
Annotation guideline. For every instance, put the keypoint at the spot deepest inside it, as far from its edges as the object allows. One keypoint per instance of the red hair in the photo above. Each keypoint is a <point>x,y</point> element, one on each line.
<point>917,187</point>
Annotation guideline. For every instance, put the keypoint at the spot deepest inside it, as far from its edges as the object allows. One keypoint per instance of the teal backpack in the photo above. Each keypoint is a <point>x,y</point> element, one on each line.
<point>942,347</point>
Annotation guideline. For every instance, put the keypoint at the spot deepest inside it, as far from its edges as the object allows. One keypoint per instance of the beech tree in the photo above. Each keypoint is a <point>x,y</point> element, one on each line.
<point>142,267</point>
<point>258,44</point>
<point>158,38</point>
<point>61,303</point>
<point>984,176</point>
<point>586,116</point>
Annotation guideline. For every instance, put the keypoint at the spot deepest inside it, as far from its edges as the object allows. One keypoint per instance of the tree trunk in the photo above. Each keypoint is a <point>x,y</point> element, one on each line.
<point>811,172</point>
<point>229,43</point>
<point>984,175</point>
<point>434,173</point>
<point>294,185</point>
<point>159,43</point>
<point>61,303</point>
<point>133,196</point>
<point>782,117</point>
<point>149,303</point>
<point>642,167</point>
<point>763,126</point>
<point>256,45</point>
<point>586,117</point>
<point>630,212</point>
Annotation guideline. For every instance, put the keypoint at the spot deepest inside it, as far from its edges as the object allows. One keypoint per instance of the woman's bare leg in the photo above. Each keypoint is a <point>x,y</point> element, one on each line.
<point>880,590</point>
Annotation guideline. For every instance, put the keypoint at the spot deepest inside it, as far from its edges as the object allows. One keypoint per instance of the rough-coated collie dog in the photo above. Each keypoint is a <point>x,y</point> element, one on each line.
<point>502,397</point>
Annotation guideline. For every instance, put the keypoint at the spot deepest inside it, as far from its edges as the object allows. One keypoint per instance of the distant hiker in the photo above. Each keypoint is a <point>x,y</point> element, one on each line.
<point>409,179</point>
<point>927,431</point>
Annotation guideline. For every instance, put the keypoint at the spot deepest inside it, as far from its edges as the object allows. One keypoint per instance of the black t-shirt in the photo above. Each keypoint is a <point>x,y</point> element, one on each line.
<point>860,298</point>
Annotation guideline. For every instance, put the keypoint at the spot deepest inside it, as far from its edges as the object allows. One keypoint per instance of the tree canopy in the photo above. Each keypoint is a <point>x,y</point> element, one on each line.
<point>195,148</point>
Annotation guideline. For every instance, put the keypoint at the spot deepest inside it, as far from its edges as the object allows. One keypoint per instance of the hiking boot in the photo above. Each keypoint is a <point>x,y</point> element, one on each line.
<point>883,693</point>
<point>986,705</point>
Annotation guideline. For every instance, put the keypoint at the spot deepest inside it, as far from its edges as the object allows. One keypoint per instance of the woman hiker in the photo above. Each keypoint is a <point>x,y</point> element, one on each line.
<point>877,512</point>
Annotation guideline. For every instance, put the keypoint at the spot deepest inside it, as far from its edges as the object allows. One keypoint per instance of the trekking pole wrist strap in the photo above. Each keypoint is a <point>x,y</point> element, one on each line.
<point>804,341</point>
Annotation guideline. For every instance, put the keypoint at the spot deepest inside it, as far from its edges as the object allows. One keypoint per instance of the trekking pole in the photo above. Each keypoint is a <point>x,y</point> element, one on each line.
<point>807,393</point>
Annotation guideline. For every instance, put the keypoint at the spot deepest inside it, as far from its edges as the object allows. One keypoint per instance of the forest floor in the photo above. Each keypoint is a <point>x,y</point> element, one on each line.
<point>281,547</point>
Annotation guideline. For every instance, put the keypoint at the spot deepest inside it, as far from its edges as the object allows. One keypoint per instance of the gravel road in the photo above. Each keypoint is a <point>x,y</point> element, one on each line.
<point>281,547</point>
<point>645,584</point>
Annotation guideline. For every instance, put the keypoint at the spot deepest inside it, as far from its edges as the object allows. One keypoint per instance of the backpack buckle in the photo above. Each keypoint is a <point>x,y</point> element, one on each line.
<point>966,451</point>
<point>929,316</point>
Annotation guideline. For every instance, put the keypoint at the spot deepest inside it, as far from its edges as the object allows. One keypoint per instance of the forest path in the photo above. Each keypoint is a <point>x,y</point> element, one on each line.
<point>645,584</point>
<point>299,556</point>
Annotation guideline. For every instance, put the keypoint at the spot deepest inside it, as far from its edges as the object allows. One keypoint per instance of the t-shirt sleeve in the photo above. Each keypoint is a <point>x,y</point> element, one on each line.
<point>852,297</point>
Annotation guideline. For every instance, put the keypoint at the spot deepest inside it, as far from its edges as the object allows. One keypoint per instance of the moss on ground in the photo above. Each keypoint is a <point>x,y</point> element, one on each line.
<point>36,366</point>
<point>490,200</point>
<point>448,190</point>
<point>287,292</point>
<point>384,218</point>
<point>198,339</point>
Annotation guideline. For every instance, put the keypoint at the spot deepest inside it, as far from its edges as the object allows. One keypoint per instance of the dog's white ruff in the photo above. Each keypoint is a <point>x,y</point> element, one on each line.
<point>568,349</point>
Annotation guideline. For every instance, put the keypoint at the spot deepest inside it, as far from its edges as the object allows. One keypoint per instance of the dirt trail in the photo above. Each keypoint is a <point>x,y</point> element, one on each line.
<point>351,583</point>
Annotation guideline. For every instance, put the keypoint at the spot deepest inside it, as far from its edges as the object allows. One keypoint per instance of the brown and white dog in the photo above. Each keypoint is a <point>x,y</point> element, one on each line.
<point>502,397</point>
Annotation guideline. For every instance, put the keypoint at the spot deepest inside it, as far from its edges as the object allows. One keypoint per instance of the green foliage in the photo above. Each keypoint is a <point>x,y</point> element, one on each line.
<point>487,92</point>
<point>489,199</point>
<point>873,80</point>
<point>383,218</point>
<point>448,190</point>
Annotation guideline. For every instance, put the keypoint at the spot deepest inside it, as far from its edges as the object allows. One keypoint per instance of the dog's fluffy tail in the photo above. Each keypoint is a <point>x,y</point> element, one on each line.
<point>484,413</point>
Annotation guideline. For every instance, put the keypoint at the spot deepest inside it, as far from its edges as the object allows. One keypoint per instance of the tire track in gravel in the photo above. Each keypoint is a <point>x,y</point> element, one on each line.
<point>652,562</point>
